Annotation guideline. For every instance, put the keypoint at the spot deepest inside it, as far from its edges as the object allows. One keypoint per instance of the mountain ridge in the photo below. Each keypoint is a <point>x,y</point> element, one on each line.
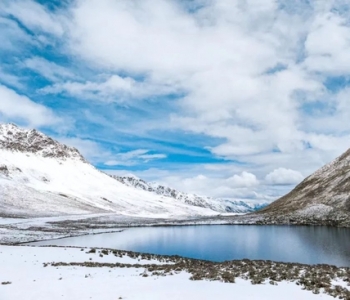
<point>217,204</point>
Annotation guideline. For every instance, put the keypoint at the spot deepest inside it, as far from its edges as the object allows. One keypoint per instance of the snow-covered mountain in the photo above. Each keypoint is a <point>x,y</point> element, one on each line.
<point>322,198</point>
<point>219,205</point>
<point>41,177</point>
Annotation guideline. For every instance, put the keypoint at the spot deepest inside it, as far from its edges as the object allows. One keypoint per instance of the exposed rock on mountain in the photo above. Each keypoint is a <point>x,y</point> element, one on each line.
<point>219,205</point>
<point>322,198</point>
<point>13,138</point>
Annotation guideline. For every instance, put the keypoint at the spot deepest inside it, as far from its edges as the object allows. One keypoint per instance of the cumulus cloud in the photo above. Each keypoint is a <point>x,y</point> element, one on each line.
<point>15,107</point>
<point>246,179</point>
<point>284,176</point>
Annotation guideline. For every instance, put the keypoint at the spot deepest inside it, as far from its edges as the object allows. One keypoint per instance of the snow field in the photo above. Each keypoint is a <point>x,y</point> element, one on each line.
<point>30,280</point>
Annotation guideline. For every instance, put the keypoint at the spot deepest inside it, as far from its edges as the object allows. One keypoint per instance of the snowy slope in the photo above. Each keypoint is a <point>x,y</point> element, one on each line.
<point>219,205</point>
<point>39,176</point>
<point>324,196</point>
<point>26,278</point>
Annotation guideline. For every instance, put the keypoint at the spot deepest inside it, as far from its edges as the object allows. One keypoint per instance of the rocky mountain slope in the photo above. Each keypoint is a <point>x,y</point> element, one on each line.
<point>219,205</point>
<point>322,198</point>
<point>41,177</point>
<point>14,139</point>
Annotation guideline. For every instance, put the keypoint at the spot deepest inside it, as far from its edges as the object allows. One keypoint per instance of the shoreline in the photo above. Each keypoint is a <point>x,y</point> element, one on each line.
<point>70,261</point>
<point>24,230</point>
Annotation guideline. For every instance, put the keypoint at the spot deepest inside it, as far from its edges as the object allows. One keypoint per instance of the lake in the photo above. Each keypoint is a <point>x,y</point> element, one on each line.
<point>302,244</point>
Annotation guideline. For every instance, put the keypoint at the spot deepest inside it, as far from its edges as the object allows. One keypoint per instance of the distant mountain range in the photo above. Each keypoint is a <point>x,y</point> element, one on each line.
<point>219,205</point>
<point>42,177</point>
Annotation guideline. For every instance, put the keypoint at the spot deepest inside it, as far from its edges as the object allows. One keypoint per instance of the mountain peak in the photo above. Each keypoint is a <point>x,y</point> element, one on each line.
<point>16,139</point>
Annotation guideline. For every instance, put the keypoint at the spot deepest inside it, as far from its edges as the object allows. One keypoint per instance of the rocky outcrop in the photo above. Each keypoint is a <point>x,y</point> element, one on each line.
<point>13,138</point>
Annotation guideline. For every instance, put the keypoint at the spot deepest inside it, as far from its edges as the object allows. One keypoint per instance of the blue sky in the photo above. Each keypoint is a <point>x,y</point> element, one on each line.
<point>221,98</point>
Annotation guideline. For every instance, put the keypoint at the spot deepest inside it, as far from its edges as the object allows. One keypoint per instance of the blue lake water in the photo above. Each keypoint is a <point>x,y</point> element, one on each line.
<point>302,244</point>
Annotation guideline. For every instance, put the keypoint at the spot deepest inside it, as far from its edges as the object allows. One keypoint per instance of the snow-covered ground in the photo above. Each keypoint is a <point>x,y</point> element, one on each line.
<point>51,186</point>
<point>23,275</point>
<point>22,230</point>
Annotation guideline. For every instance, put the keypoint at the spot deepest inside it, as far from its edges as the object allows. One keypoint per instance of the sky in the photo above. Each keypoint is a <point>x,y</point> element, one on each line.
<point>238,99</point>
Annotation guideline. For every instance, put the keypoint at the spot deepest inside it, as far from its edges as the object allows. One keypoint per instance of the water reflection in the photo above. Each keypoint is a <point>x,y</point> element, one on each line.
<point>303,244</point>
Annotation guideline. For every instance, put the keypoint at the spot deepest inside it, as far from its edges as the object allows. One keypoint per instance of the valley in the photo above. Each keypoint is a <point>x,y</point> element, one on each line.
<point>49,192</point>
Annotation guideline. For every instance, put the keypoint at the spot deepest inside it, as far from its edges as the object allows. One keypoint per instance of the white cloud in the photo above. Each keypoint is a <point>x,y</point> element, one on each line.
<point>11,35</point>
<point>48,69</point>
<point>284,176</point>
<point>133,157</point>
<point>32,15</point>
<point>10,79</point>
<point>15,107</point>
<point>328,45</point>
<point>149,157</point>
<point>115,88</point>
<point>246,179</point>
